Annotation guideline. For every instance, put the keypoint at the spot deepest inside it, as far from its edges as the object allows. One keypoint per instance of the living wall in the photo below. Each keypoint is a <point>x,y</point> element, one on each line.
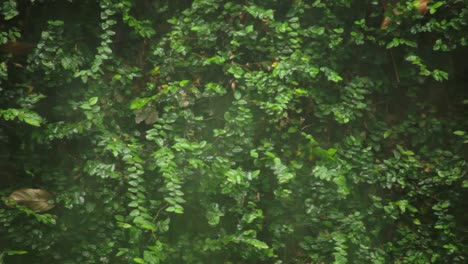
<point>213,131</point>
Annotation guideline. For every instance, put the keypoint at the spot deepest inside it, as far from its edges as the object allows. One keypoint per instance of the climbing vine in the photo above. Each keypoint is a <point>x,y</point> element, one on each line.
<point>233,131</point>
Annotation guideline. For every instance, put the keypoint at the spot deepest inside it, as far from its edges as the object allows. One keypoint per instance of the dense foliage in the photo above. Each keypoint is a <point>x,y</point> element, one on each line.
<point>213,131</point>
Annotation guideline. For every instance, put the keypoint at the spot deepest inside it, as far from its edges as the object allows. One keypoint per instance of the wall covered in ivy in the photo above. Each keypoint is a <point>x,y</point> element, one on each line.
<point>216,131</point>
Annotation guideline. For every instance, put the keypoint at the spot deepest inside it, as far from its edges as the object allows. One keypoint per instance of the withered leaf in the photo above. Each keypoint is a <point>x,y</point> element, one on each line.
<point>16,47</point>
<point>34,199</point>
<point>148,114</point>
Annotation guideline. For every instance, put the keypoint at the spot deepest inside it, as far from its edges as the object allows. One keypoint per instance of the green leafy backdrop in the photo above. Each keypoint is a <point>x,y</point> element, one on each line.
<point>213,131</point>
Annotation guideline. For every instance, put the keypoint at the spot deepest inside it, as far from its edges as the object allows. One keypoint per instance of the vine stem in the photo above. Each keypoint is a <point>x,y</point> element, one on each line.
<point>395,69</point>
<point>159,211</point>
<point>156,217</point>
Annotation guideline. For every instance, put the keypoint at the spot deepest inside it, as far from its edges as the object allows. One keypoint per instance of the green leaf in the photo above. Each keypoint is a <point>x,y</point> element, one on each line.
<point>342,184</point>
<point>133,204</point>
<point>237,95</point>
<point>408,153</point>
<point>254,154</point>
<point>387,133</point>
<point>256,243</point>
<point>331,152</point>
<point>126,225</point>
<point>138,103</point>
<point>86,106</point>
<point>32,121</point>
<point>122,251</point>
<point>16,252</point>
<point>139,260</point>
<point>139,220</point>
<point>133,183</point>
<point>134,213</point>
<point>184,82</point>
<point>178,209</point>
<point>435,6</point>
<point>93,100</point>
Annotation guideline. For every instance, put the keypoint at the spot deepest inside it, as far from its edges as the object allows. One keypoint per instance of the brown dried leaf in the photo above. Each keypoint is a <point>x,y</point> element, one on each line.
<point>422,8</point>
<point>385,22</point>
<point>16,47</point>
<point>148,114</point>
<point>34,199</point>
